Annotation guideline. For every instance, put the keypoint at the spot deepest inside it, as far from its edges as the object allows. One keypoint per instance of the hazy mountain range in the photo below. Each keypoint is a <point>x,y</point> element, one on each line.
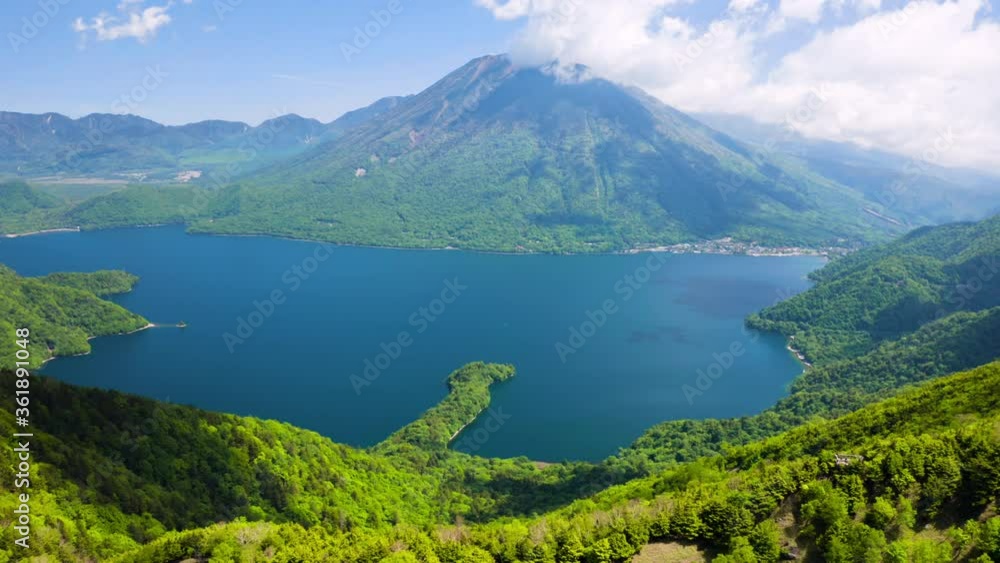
<point>496,156</point>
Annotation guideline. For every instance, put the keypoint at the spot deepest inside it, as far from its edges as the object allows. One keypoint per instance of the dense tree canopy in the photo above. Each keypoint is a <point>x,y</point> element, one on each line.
<point>61,313</point>
<point>876,455</point>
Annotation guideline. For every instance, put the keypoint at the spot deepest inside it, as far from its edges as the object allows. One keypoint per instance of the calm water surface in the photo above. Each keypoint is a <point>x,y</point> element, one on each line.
<point>297,365</point>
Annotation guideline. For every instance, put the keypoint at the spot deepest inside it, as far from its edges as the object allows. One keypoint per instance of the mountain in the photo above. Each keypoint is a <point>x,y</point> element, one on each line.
<point>884,292</point>
<point>494,156</point>
<point>502,157</point>
<point>116,146</point>
<point>357,117</point>
<point>925,192</point>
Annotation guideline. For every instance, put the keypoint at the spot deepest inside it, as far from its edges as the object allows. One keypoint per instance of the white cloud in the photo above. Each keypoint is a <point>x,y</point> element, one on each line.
<point>892,79</point>
<point>132,21</point>
<point>808,10</point>
<point>509,10</point>
<point>742,5</point>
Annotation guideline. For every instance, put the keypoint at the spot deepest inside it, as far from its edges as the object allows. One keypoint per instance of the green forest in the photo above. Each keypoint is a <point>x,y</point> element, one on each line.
<point>886,449</point>
<point>62,312</point>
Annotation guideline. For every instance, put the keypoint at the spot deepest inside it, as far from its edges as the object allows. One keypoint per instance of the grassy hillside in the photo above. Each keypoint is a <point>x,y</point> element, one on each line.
<point>139,205</point>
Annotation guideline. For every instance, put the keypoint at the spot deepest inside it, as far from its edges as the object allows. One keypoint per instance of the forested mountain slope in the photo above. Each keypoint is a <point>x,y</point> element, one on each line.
<point>23,208</point>
<point>494,156</point>
<point>501,157</point>
<point>918,481</point>
<point>61,312</point>
<point>908,187</point>
<point>886,291</point>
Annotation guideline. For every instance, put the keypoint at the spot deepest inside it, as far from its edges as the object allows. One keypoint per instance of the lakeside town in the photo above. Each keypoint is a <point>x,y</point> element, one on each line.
<point>729,246</point>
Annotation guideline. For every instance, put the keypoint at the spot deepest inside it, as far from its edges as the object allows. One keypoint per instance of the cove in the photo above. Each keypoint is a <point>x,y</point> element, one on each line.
<point>310,328</point>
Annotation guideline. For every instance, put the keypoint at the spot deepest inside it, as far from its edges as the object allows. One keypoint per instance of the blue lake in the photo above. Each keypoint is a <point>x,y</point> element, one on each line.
<point>303,318</point>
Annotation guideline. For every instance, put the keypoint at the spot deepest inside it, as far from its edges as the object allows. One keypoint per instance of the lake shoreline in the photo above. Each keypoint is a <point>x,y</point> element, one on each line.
<point>89,338</point>
<point>714,247</point>
<point>797,353</point>
<point>725,247</point>
<point>349,309</point>
<point>43,232</point>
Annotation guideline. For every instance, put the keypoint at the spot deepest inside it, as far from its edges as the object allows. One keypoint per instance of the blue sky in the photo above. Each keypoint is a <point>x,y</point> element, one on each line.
<point>260,58</point>
<point>915,77</point>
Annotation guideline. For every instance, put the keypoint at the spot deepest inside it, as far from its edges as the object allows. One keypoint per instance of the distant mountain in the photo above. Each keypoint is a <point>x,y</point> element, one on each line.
<point>112,145</point>
<point>213,130</point>
<point>495,156</point>
<point>501,157</point>
<point>925,192</point>
<point>357,117</point>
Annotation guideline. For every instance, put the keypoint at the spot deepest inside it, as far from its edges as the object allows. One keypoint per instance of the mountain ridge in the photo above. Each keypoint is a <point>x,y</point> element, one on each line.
<point>493,156</point>
<point>562,164</point>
